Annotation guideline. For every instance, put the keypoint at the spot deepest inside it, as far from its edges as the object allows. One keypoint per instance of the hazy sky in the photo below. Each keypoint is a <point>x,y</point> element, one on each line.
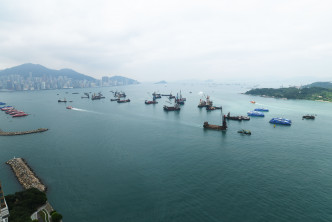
<point>171,40</point>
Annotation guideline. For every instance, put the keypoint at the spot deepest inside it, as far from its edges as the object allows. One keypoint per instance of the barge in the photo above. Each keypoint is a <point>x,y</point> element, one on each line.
<point>223,127</point>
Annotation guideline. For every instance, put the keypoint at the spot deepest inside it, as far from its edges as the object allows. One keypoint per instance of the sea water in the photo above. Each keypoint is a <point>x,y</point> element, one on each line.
<point>104,161</point>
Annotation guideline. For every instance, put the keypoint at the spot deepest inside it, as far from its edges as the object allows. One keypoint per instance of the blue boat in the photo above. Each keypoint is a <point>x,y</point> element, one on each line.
<point>261,109</point>
<point>281,121</point>
<point>2,103</point>
<point>255,113</point>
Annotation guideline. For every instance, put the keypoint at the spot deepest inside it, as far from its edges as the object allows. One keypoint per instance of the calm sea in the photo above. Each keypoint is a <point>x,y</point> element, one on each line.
<point>104,161</point>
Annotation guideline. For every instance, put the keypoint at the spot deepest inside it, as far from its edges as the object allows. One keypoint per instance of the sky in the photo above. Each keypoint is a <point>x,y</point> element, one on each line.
<point>153,40</point>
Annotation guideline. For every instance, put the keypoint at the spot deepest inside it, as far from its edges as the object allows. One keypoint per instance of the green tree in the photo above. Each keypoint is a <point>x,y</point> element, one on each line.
<point>56,217</point>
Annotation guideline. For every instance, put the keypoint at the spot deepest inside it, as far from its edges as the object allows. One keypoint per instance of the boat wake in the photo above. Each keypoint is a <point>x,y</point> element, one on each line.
<point>84,110</point>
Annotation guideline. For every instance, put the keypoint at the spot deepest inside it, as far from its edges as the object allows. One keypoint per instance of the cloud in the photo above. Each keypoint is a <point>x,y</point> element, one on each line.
<point>152,40</point>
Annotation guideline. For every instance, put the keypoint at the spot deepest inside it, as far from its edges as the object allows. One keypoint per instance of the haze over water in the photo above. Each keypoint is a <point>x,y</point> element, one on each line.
<point>136,162</point>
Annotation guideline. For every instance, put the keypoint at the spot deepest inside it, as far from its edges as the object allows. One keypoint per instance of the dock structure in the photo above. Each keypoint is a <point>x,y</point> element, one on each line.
<point>25,174</point>
<point>2,133</point>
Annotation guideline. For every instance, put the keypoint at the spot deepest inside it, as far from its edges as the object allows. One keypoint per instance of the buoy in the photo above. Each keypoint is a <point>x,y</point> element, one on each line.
<point>274,125</point>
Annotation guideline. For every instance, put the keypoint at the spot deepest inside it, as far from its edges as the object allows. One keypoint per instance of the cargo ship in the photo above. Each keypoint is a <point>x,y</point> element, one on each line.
<point>239,118</point>
<point>209,108</point>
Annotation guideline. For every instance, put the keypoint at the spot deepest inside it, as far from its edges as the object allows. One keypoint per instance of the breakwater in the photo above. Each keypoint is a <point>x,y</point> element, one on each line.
<point>25,174</point>
<point>2,133</point>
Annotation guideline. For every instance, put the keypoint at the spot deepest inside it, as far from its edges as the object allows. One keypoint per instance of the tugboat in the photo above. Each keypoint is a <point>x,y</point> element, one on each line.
<point>223,127</point>
<point>246,132</point>
<point>308,117</point>
<point>239,118</point>
<point>123,101</point>
<point>176,107</point>
<point>62,101</point>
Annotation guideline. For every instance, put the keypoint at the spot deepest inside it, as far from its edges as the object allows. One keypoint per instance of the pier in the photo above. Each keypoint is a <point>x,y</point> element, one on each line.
<point>25,174</point>
<point>2,133</point>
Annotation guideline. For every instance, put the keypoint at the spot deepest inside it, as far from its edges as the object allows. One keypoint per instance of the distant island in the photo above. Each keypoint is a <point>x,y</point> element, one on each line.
<point>37,77</point>
<point>308,92</point>
<point>161,82</point>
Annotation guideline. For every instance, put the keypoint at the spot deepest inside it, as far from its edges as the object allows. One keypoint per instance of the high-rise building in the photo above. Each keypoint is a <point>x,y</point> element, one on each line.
<point>4,213</point>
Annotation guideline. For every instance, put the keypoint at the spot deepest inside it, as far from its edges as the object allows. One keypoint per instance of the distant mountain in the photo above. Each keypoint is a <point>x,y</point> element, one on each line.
<point>36,70</point>
<point>37,77</point>
<point>120,80</point>
<point>325,85</point>
<point>161,82</point>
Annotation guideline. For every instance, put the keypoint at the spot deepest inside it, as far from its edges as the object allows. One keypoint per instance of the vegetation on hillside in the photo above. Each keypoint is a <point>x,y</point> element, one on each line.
<point>312,93</point>
<point>23,204</point>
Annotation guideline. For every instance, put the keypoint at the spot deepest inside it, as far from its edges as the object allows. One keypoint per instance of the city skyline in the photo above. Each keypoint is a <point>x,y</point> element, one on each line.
<point>171,40</point>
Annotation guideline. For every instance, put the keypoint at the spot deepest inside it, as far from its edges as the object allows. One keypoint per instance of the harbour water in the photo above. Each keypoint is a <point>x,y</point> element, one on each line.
<point>104,161</point>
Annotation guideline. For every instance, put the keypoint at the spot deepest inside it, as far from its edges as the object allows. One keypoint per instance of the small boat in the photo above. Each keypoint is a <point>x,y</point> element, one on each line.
<point>150,102</point>
<point>2,103</point>
<point>223,127</point>
<point>308,116</point>
<point>253,102</point>
<point>123,101</point>
<point>261,109</point>
<point>255,113</point>
<point>20,115</point>
<point>75,93</point>
<point>246,132</point>
<point>114,100</point>
<point>69,107</point>
<point>15,113</point>
<point>281,121</point>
